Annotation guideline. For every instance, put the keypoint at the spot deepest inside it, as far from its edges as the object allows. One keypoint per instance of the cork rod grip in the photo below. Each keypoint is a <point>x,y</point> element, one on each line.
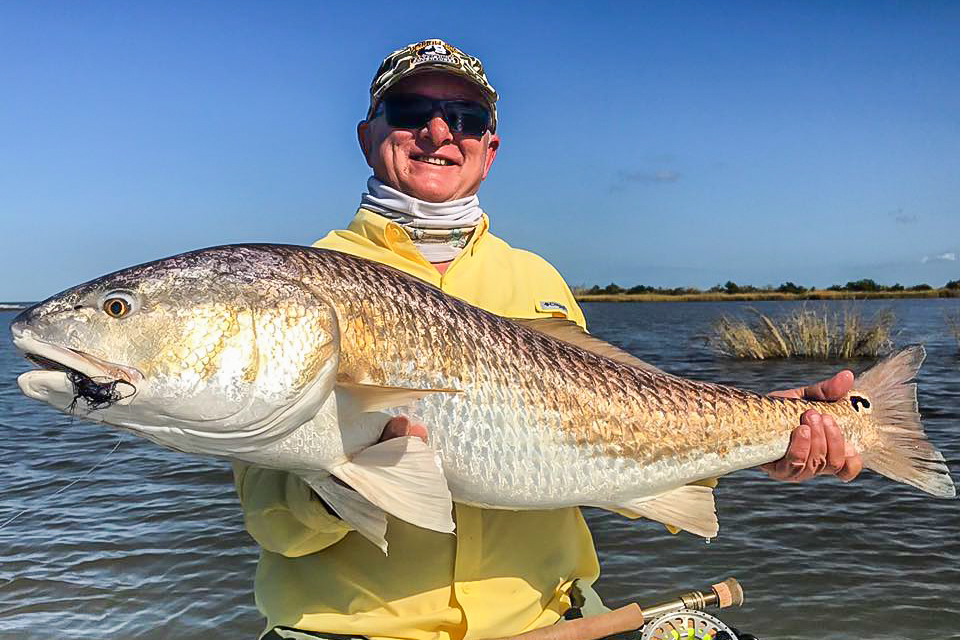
<point>625,618</point>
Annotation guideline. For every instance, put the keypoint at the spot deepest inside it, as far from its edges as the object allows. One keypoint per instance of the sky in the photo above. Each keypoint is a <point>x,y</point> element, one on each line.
<point>660,143</point>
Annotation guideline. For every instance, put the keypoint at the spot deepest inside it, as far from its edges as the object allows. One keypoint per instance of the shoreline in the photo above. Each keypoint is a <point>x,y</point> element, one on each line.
<point>761,296</point>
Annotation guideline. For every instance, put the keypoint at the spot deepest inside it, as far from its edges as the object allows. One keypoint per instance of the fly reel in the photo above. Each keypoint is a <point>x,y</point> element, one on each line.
<point>687,624</point>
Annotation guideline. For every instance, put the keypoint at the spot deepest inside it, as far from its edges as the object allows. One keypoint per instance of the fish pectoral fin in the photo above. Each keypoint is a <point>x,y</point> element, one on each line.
<point>403,477</point>
<point>371,397</point>
<point>569,331</point>
<point>366,518</point>
<point>690,508</point>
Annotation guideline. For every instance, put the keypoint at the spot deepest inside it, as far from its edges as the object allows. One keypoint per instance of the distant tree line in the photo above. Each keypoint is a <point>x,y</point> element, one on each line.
<point>869,285</point>
<point>864,285</point>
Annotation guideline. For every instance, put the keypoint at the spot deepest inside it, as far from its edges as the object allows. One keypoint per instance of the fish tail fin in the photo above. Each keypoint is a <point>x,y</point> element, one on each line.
<point>905,454</point>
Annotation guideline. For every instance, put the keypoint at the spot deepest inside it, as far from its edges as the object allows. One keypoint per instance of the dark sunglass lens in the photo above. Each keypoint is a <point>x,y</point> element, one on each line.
<point>468,118</point>
<point>407,112</point>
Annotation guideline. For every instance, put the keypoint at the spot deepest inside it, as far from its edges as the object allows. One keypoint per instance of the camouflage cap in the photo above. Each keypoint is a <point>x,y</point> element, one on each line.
<point>431,55</point>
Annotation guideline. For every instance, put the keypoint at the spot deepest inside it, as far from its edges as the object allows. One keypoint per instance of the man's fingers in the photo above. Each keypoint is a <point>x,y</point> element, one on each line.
<point>418,430</point>
<point>795,459</point>
<point>828,390</point>
<point>852,467</point>
<point>396,428</point>
<point>402,426</point>
<point>817,457</point>
<point>788,393</point>
<point>816,447</point>
<point>836,446</point>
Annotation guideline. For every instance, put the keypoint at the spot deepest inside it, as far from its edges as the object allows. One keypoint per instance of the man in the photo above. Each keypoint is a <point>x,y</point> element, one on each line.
<point>430,139</point>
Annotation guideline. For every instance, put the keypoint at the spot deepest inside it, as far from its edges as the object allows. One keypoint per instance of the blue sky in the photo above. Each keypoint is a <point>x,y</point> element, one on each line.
<point>664,143</point>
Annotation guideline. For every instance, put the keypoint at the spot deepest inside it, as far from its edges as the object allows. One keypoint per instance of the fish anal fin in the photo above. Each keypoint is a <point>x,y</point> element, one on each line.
<point>372,397</point>
<point>690,508</point>
<point>569,331</point>
<point>403,477</point>
<point>367,519</point>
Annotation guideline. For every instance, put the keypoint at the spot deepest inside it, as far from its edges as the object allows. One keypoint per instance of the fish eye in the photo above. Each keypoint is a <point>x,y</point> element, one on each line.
<point>117,304</point>
<point>859,402</point>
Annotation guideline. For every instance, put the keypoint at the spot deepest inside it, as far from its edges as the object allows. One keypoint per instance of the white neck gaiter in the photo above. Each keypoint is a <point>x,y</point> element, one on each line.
<point>440,230</point>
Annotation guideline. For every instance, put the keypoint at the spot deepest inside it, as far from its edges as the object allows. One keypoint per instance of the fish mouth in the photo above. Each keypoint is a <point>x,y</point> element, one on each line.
<point>64,371</point>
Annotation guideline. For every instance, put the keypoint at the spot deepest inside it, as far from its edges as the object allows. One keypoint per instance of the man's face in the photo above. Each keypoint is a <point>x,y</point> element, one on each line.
<point>399,157</point>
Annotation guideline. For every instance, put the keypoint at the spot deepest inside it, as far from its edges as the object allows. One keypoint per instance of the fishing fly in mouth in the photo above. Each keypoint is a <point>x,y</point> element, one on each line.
<point>98,392</point>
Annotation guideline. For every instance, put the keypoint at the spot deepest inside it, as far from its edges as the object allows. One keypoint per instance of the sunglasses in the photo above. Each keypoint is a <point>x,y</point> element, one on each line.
<point>413,111</point>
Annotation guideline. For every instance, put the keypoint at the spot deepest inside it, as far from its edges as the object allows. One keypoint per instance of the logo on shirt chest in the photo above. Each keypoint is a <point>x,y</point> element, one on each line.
<point>549,306</point>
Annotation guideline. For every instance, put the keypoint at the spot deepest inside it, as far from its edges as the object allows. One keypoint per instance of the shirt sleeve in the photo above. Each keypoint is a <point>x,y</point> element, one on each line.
<point>283,514</point>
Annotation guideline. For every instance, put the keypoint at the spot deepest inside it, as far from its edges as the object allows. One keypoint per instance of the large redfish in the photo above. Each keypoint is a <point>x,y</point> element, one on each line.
<point>288,357</point>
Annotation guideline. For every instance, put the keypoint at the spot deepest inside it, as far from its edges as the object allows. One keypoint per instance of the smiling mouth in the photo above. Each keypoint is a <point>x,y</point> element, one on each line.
<point>434,160</point>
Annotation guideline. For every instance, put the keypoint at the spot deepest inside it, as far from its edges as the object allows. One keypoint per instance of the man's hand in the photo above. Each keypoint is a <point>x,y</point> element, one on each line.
<point>817,446</point>
<point>401,426</point>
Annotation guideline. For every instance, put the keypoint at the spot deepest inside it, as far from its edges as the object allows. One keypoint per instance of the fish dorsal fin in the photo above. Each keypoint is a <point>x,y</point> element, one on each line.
<point>373,397</point>
<point>690,508</point>
<point>569,331</point>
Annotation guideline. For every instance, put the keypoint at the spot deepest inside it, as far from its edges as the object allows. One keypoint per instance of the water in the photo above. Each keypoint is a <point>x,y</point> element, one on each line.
<point>151,544</point>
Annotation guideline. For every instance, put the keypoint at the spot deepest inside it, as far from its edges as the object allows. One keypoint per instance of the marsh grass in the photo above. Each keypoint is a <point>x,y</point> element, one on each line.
<point>805,333</point>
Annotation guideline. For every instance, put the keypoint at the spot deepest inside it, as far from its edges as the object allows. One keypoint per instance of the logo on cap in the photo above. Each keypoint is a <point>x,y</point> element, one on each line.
<point>435,49</point>
<point>433,52</point>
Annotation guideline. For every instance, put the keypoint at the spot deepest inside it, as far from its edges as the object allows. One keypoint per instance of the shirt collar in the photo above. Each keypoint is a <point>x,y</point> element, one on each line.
<point>386,233</point>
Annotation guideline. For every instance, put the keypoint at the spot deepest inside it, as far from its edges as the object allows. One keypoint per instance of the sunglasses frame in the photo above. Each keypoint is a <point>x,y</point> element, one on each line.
<point>436,105</point>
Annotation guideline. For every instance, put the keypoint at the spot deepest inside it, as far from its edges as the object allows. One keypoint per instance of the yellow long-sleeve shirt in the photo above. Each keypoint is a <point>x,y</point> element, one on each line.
<point>503,573</point>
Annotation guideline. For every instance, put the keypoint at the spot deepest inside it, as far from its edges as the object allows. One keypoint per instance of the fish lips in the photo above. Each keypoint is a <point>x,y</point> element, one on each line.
<point>54,384</point>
